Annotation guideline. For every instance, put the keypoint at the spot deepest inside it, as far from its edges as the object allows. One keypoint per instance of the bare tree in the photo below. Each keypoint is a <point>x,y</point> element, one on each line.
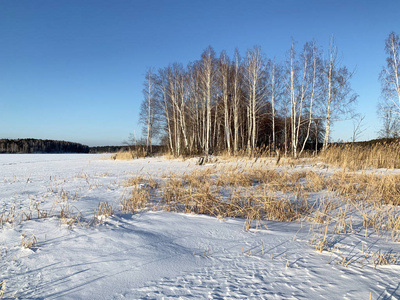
<point>338,95</point>
<point>207,78</point>
<point>358,127</point>
<point>148,108</point>
<point>390,75</point>
<point>162,87</point>
<point>312,87</point>
<point>301,87</point>
<point>390,123</point>
<point>254,75</point>
<point>223,74</point>
<point>293,69</point>
<point>195,108</point>
<point>178,93</point>
<point>236,95</point>
<point>275,93</point>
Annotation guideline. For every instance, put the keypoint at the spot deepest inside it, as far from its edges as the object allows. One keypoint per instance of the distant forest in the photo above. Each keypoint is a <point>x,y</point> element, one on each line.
<point>41,146</point>
<point>51,146</point>
<point>113,149</point>
<point>108,149</point>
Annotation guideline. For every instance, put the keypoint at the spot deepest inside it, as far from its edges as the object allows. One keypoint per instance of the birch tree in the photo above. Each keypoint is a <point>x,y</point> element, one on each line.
<point>254,76</point>
<point>303,87</point>
<point>390,76</point>
<point>311,54</point>
<point>296,86</point>
<point>148,108</point>
<point>236,95</point>
<point>162,88</point>
<point>390,122</point>
<point>273,90</point>
<point>223,74</point>
<point>292,87</point>
<point>207,78</point>
<point>338,93</point>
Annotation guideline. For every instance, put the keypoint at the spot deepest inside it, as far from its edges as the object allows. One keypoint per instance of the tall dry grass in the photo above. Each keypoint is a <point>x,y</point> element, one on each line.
<point>139,199</point>
<point>131,154</point>
<point>356,157</point>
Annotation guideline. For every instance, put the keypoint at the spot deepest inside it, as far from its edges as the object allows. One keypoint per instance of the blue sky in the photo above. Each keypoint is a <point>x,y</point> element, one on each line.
<point>74,70</point>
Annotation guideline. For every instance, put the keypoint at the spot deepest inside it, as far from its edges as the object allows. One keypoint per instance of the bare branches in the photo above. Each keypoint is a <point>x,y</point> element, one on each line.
<point>339,96</point>
<point>358,127</point>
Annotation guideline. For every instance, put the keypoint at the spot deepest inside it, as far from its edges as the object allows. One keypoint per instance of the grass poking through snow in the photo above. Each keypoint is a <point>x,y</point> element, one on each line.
<point>337,202</point>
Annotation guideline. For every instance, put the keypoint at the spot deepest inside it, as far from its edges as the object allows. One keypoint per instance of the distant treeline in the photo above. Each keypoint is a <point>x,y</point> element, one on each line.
<point>113,149</point>
<point>41,146</point>
<point>108,149</point>
<point>370,143</point>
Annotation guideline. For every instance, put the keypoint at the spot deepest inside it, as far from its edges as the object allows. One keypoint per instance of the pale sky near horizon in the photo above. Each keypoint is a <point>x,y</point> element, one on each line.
<point>74,69</point>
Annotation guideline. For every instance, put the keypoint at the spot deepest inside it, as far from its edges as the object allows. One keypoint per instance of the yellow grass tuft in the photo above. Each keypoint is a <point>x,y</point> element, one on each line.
<point>382,259</point>
<point>70,215</point>
<point>104,210</point>
<point>30,243</point>
<point>3,288</point>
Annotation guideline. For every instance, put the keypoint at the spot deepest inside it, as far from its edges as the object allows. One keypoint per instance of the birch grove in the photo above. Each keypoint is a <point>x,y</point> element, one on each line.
<point>218,104</point>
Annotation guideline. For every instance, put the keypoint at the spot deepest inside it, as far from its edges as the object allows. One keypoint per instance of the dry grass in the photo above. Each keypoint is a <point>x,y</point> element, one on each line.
<point>383,259</point>
<point>228,193</point>
<point>70,216</point>
<point>8,216</point>
<point>3,288</point>
<point>321,243</point>
<point>265,194</point>
<point>131,154</point>
<point>30,243</point>
<point>368,187</point>
<point>355,157</point>
<point>123,155</point>
<point>104,210</point>
<point>139,199</point>
<point>259,152</point>
<point>141,182</point>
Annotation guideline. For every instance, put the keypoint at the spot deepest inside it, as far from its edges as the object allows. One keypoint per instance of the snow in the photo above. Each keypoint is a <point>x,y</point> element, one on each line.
<point>164,255</point>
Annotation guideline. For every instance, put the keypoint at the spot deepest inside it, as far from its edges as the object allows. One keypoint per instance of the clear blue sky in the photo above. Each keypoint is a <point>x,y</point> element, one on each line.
<point>74,69</point>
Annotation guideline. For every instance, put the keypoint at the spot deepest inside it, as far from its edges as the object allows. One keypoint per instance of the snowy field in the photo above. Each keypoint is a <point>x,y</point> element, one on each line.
<point>154,254</point>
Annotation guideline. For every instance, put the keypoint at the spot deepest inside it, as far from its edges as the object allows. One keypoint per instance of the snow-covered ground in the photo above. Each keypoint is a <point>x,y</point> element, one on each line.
<point>155,254</point>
